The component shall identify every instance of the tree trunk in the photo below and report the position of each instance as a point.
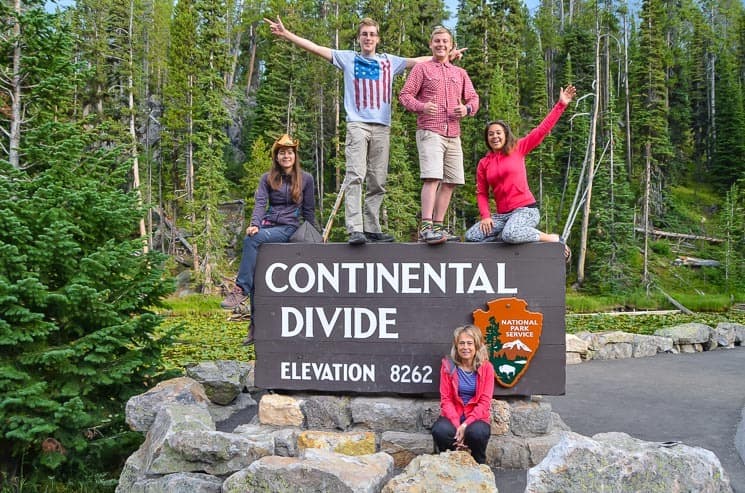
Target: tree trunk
(15, 99)
(591, 164)
(647, 179)
(628, 97)
(190, 166)
(132, 131)
(252, 60)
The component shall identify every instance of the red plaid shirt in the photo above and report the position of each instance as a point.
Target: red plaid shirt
(444, 84)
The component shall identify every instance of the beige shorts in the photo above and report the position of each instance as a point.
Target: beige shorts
(440, 158)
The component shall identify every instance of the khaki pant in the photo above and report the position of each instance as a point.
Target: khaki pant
(367, 153)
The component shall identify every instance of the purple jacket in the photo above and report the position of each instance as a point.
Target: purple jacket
(277, 207)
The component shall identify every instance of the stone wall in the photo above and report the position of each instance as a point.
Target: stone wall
(204, 428)
(683, 338)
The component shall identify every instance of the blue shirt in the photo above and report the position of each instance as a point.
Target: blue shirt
(466, 385)
(368, 84)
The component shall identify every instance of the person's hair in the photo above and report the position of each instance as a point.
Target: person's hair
(441, 30)
(369, 23)
(480, 353)
(296, 175)
(510, 141)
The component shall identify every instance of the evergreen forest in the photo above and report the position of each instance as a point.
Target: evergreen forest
(134, 133)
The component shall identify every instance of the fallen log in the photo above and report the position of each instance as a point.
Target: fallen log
(683, 236)
(696, 262)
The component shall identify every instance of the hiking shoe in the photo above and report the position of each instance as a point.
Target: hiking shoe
(431, 237)
(379, 237)
(235, 298)
(445, 232)
(357, 238)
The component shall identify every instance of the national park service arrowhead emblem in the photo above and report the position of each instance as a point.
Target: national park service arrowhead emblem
(512, 335)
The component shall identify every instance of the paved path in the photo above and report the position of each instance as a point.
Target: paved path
(693, 398)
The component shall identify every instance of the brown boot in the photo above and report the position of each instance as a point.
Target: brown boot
(250, 336)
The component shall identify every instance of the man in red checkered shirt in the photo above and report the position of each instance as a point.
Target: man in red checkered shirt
(441, 94)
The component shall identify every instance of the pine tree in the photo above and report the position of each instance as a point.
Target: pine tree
(77, 337)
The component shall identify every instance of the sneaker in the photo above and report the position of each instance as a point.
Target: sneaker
(357, 238)
(379, 237)
(235, 298)
(431, 237)
(445, 232)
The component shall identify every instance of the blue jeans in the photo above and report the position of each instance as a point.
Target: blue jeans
(273, 234)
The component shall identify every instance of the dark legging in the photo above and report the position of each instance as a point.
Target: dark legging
(476, 437)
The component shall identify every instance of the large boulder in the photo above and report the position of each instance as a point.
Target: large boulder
(403, 446)
(327, 412)
(221, 379)
(183, 439)
(689, 335)
(618, 462)
(387, 413)
(448, 472)
(183, 482)
(142, 409)
(315, 470)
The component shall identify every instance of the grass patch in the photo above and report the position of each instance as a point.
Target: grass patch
(645, 324)
(206, 332)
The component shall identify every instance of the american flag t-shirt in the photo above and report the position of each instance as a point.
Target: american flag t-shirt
(372, 82)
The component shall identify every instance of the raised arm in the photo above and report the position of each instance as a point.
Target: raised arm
(279, 30)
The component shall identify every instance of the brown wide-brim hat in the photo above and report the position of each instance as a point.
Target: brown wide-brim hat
(284, 141)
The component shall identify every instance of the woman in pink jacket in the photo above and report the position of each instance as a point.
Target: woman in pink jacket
(466, 388)
(502, 172)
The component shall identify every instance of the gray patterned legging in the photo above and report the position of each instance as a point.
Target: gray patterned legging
(517, 226)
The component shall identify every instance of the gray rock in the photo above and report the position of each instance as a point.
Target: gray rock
(724, 335)
(430, 411)
(220, 453)
(539, 447)
(180, 482)
(616, 350)
(690, 333)
(403, 447)
(133, 471)
(326, 412)
(645, 345)
(387, 413)
(285, 442)
(142, 409)
(618, 462)
(315, 471)
(575, 344)
(241, 410)
(444, 473)
(508, 452)
(530, 418)
(221, 380)
(738, 329)
(160, 456)
(285, 439)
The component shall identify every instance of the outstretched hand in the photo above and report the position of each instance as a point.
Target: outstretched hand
(566, 95)
(276, 28)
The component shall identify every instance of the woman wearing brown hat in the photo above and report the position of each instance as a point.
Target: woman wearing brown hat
(285, 193)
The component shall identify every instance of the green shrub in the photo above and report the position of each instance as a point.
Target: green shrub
(77, 338)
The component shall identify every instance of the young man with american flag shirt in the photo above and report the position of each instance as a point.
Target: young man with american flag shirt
(368, 88)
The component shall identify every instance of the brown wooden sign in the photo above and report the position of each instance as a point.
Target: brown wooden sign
(379, 318)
